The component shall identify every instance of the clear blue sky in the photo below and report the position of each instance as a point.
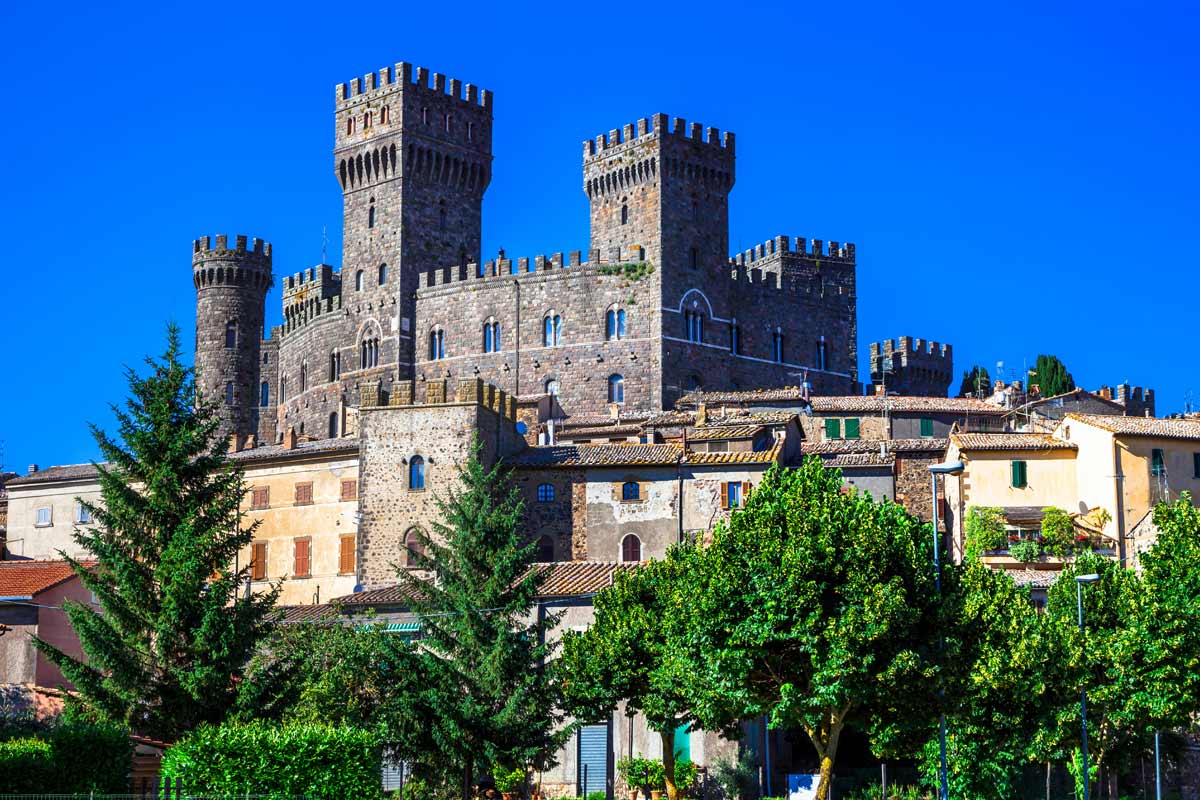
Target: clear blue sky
(1017, 180)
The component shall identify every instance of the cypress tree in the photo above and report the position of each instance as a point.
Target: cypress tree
(170, 643)
(481, 698)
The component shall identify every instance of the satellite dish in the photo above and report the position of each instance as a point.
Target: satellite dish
(522, 428)
(358, 587)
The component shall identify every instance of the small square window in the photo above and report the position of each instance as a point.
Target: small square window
(926, 427)
(260, 498)
(545, 492)
(1019, 475)
(852, 429)
(44, 517)
(82, 515)
(350, 489)
(631, 490)
(304, 494)
(833, 429)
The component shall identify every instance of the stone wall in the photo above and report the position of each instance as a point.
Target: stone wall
(562, 518)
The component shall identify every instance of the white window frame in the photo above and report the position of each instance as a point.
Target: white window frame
(49, 517)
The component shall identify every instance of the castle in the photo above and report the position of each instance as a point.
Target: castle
(657, 309)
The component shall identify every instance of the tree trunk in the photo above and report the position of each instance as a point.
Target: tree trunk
(668, 759)
(468, 774)
(1047, 780)
(825, 740)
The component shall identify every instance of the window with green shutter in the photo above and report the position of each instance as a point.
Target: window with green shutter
(926, 426)
(852, 429)
(833, 429)
(1158, 465)
(1019, 477)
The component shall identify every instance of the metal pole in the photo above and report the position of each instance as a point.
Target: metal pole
(937, 567)
(585, 766)
(883, 773)
(1157, 770)
(1083, 699)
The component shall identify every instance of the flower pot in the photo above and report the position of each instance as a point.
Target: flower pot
(633, 793)
(510, 795)
(656, 794)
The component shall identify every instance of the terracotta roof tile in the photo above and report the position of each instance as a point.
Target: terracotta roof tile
(1010, 441)
(599, 455)
(837, 446)
(290, 615)
(711, 432)
(902, 404)
(1033, 578)
(64, 472)
(731, 457)
(859, 460)
(385, 596)
(1153, 427)
(564, 578)
(28, 578)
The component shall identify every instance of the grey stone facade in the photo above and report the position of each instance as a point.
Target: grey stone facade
(912, 367)
(412, 156)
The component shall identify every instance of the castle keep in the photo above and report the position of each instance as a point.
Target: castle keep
(655, 309)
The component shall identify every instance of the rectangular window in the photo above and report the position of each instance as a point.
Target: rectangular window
(1196, 465)
(350, 490)
(833, 429)
(1158, 466)
(926, 427)
(260, 498)
(82, 515)
(346, 555)
(258, 561)
(852, 429)
(302, 566)
(304, 494)
(1019, 476)
(44, 517)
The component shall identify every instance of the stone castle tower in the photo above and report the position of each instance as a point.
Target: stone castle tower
(231, 288)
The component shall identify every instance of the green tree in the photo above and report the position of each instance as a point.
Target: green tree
(171, 642)
(1051, 377)
(975, 383)
(819, 610)
(640, 649)
(481, 693)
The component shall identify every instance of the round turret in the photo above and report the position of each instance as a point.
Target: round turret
(231, 289)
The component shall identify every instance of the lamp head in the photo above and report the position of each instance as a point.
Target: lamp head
(947, 468)
(1092, 578)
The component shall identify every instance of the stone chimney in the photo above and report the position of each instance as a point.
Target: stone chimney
(701, 414)
(289, 439)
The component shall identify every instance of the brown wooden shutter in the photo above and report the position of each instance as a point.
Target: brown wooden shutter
(304, 493)
(302, 567)
(258, 561)
(346, 555)
(745, 492)
(260, 497)
(725, 494)
(349, 489)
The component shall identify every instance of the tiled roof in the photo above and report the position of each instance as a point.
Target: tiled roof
(721, 418)
(1153, 427)
(837, 446)
(599, 420)
(710, 432)
(731, 457)
(290, 615)
(269, 452)
(599, 455)
(853, 460)
(752, 396)
(1033, 578)
(902, 404)
(600, 430)
(1010, 441)
(28, 578)
(384, 596)
(563, 578)
(671, 418)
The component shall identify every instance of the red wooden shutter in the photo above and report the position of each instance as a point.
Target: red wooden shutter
(349, 489)
(346, 555)
(258, 561)
(302, 568)
(303, 493)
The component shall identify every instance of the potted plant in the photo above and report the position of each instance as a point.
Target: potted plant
(685, 775)
(656, 779)
(635, 772)
(508, 782)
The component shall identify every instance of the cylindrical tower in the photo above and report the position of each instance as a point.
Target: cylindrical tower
(231, 291)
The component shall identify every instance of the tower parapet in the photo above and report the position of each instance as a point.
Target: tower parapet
(231, 287)
(912, 366)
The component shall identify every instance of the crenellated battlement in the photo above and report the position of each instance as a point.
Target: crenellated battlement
(912, 366)
(204, 250)
(320, 277)
(221, 265)
(909, 346)
(401, 77)
(656, 127)
(501, 267)
(799, 246)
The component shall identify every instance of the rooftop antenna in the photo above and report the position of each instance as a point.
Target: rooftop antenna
(324, 243)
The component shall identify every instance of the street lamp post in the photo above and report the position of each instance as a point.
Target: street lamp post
(1080, 580)
(954, 468)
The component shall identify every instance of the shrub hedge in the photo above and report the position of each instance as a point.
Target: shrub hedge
(319, 761)
(65, 756)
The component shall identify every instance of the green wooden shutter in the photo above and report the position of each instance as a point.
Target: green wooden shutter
(926, 426)
(852, 429)
(833, 429)
(1018, 474)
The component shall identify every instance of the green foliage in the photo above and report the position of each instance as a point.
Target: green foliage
(632, 270)
(984, 529)
(635, 771)
(509, 780)
(685, 774)
(169, 646)
(737, 779)
(476, 691)
(1051, 377)
(318, 761)
(1025, 551)
(874, 791)
(65, 755)
(1058, 532)
(821, 608)
(975, 383)
(26, 766)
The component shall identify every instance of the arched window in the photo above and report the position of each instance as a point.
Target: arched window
(624, 214)
(231, 334)
(442, 216)
(382, 274)
(695, 257)
(368, 352)
(545, 492)
(491, 336)
(282, 388)
(229, 393)
(358, 281)
(446, 122)
(693, 322)
(416, 474)
(333, 425)
(303, 376)
(614, 323)
(371, 217)
(383, 115)
(552, 387)
(545, 549)
(414, 548)
(821, 362)
(735, 339)
(349, 126)
(616, 389)
(470, 131)
(366, 120)
(631, 490)
(631, 549)
(437, 344)
(264, 394)
(777, 345)
(335, 365)
(552, 330)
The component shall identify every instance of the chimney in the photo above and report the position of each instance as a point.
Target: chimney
(235, 443)
(701, 413)
(289, 439)
(33, 468)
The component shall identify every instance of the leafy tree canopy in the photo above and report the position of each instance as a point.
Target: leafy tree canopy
(1051, 377)
(975, 383)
